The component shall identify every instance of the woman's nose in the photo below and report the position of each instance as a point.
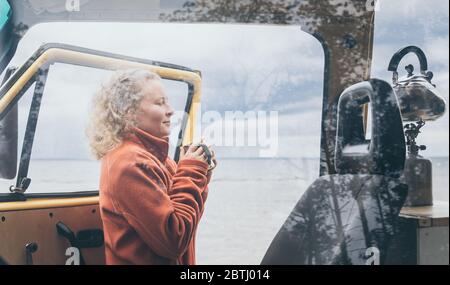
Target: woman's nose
(170, 111)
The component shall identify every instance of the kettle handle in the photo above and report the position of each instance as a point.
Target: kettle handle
(398, 56)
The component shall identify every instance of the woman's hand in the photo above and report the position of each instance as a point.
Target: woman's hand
(192, 152)
(197, 152)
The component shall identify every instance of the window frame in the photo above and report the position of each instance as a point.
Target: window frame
(37, 68)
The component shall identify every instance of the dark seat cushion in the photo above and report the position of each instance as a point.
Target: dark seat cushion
(338, 219)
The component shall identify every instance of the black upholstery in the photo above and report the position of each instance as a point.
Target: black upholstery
(349, 217)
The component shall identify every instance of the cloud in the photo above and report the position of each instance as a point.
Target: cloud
(248, 62)
(243, 66)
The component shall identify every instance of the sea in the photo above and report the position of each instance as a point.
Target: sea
(248, 201)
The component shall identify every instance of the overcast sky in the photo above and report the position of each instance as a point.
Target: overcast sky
(242, 67)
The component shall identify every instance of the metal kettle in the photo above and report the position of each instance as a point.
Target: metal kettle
(417, 95)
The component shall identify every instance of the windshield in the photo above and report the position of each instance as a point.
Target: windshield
(261, 109)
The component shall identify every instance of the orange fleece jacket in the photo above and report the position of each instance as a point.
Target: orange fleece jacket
(150, 206)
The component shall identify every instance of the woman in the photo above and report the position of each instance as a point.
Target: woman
(150, 206)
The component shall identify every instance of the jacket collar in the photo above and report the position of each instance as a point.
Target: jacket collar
(157, 146)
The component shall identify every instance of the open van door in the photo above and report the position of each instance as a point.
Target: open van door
(53, 227)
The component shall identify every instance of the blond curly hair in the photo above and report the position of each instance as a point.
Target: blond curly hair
(114, 107)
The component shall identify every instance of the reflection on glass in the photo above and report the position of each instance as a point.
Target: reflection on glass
(338, 220)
